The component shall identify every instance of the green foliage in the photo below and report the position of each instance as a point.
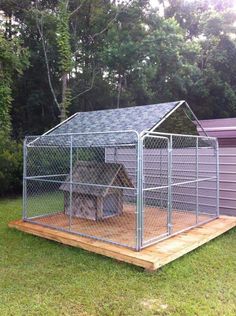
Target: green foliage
(43, 161)
(10, 165)
(105, 54)
(55, 160)
(114, 56)
(13, 59)
(5, 105)
(63, 38)
(65, 104)
(65, 61)
(210, 88)
(179, 123)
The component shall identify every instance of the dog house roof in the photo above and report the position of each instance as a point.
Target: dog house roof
(97, 173)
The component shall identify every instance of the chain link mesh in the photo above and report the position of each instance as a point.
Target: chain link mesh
(180, 184)
(71, 185)
(88, 184)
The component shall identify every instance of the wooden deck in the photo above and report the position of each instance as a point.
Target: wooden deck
(121, 229)
(150, 258)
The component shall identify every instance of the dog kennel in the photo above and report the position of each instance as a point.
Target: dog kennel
(130, 176)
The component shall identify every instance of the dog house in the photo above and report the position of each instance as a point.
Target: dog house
(97, 202)
(130, 176)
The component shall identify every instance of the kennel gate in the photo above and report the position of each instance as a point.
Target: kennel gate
(163, 190)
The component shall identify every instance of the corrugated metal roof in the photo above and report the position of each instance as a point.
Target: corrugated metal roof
(137, 118)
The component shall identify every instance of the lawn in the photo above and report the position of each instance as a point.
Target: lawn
(41, 277)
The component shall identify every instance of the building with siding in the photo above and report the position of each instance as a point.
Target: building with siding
(225, 131)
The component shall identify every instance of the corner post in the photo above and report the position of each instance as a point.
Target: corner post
(197, 177)
(217, 180)
(71, 181)
(160, 165)
(139, 212)
(170, 225)
(24, 208)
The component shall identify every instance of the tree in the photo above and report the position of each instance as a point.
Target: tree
(13, 59)
(65, 54)
(210, 24)
(96, 54)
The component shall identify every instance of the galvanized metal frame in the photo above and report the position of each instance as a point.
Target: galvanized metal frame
(217, 179)
(181, 103)
(170, 225)
(24, 206)
(140, 242)
(160, 237)
(139, 206)
(197, 177)
(71, 180)
(170, 184)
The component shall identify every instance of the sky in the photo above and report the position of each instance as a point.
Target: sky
(154, 3)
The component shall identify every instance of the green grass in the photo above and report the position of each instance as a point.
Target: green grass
(40, 277)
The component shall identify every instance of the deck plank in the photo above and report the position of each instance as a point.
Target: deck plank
(150, 258)
(122, 229)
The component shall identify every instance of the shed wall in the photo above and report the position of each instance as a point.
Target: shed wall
(207, 190)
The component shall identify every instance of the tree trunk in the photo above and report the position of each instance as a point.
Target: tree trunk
(119, 91)
(63, 98)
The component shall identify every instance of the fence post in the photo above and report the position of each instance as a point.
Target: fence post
(217, 180)
(24, 211)
(139, 215)
(170, 225)
(197, 176)
(161, 204)
(71, 180)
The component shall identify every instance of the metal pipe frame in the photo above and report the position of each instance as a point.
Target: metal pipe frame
(161, 202)
(24, 206)
(197, 176)
(217, 180)
(179, 183)
(167, 115)
(170, 185)
(140, 189)
(147, 244)
(143, 189)
(139, 207)
(142, 195)
(80, 134)
(80, 146)
(85, 133)
(178, 135)
(181, 103)
(46, 176)
(71, 181)
(196, 119)
(81, 183)
(169, 215)
(58, 125)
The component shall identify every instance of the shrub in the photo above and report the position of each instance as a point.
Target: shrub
(10, 166)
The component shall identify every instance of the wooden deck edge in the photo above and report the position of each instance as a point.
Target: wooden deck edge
(202, 234)
(151, 258)
(102, 248)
